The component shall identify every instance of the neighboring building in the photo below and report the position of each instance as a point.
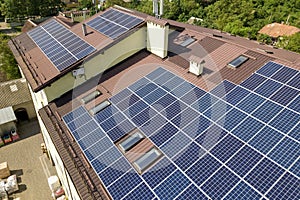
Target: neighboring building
(135, 107)
(276, 30)
(16, 94)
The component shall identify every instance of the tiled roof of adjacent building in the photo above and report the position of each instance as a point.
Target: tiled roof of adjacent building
(14, 93)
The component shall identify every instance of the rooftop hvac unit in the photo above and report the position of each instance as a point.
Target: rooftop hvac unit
(196, 65)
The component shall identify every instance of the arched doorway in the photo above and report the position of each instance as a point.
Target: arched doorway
(21, 114)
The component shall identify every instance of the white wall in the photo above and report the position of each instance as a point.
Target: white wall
(157, 39)
(62, 173)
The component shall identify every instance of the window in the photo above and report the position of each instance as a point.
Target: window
(91, 96)
(100, 107)
(147, 159)
(238, 61)
(131, 141)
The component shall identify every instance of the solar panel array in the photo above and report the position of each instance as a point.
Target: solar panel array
(114, 23)
(234, 142)
(62, 47)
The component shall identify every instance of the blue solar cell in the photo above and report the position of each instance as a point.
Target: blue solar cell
(268, 88)
(98, 148)
(193, 95)
(120, 130)
(264, 175)
(188, 156)
(295, 104)
(284, 74)
(269, 69)
(285, 120)
(197, 126)
(142, 92)
(243, 191)
(288, 187)
(266, 139)
(124, 185)
(244, 160)
(231, 119)
(296, 168)
(166, 132)
(253, 81)
(175, 183)
(286, 152)
(204, 102)
(106, 113)
(192, 192)
(203, 169)
(159, 172)
(172, 110)
(139, 84)
(217, 110)
(120, 96)
(166, 100)
(220, 183)
(172, 83)
(284, 95)
(78, 122)
(153, 124)
(250, 103)
(85, 129)
(163, 78)
(236, 95)
(114, 171)
(211, 137)
(130, 100)
(105, 159)
(144, 116)
(141, 192)
(294, 133)
(226, 148)
(247, 129)
(295, 81)
(91, 139)
(112, 121)
(182, 89)
(154, 96)
(49, 39)
(267, 111)
(156, 73)
(185, 117)
(223, 88)
(74, 114)
(136, 108)
(175, 144)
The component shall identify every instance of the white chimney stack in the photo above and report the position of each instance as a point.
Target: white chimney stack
(161, 8)
(196, 65)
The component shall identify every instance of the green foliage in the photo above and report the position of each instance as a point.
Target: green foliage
(8, 63)
(16, 9)
(291, 43)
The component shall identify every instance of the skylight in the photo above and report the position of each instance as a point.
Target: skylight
(238, 61)
(131, 141)
(147, 159)
(91, 96)
(100, 107)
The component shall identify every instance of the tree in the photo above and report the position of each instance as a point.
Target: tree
(8, 64)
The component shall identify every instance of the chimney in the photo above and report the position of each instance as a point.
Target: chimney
(84, 30)
(196, 65)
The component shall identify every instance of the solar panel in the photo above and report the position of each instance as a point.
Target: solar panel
(114, 23)
(230, 143)
(62, 47)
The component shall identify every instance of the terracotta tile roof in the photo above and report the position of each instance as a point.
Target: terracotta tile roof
(275, 30)
(28, 26)
(14, 93)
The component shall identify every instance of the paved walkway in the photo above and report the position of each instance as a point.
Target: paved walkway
(25, 159)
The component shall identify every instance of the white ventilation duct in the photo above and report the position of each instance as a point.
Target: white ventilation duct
(196, 65)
